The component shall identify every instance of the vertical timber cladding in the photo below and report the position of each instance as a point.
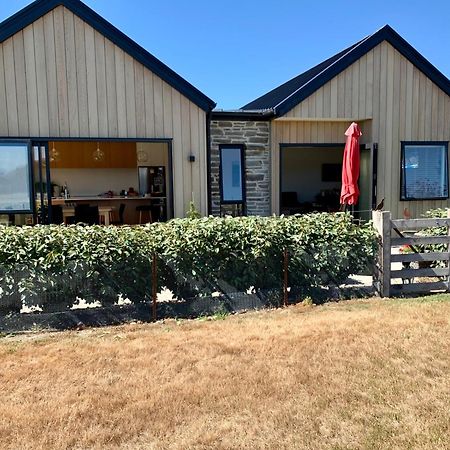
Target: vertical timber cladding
(401, 103)
(254, 135)
(59, 77)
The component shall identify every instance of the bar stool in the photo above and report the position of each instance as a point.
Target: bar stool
(120, 220)
(143, 209)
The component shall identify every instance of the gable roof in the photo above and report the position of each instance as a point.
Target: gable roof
(285, 97)
(39, 8)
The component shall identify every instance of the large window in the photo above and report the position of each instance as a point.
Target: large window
(15, 178)
(232, 174)
(424, 173)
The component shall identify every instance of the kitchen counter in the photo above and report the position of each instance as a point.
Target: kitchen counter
(111, 204)
(62, 201)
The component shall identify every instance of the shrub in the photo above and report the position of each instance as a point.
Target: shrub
(434, 231)
(197, 256)
(438, 212)
(248, 251)
(47, 262)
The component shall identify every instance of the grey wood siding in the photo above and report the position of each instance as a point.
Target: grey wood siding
(394, 102)
(61, 78)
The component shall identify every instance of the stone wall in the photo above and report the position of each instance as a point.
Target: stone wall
(255, 136)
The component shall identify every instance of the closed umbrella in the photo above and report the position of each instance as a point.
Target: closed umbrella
(350, 166)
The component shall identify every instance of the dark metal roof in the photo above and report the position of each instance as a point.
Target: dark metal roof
(285, 97)
(239, 114)
(38, 8)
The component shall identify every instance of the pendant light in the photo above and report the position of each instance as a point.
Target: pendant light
(98, 154)
(54, 154)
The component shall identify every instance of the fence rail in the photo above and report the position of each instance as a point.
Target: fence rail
(417, 224)
(392, 237)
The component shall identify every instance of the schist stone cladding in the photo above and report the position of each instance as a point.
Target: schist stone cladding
(255, 136)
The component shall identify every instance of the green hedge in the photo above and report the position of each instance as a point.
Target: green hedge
(47, 264)
(438, 212)
(196, 256)
(434, 231)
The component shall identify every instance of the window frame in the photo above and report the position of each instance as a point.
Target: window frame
(404, 144)
(242, 201)
(26, 143)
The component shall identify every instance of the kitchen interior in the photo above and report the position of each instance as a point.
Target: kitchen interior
(109, 182)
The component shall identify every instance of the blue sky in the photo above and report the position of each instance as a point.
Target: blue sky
(235, 51)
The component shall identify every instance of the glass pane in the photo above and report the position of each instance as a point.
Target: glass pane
(14, 178)
(365, 185)
(45, 211)
(231, 166)
(425, 172)
(41, 186)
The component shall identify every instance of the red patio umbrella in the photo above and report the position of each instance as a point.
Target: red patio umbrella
(350, 166)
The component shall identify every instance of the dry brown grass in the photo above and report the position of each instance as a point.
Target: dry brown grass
(354, 375)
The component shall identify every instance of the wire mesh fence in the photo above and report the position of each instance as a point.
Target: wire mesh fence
(75, 285)
(169, 287)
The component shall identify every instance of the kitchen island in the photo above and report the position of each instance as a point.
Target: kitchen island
(109, 207)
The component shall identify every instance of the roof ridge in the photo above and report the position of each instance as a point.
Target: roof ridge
(304, 73)
(289, 94)
(351, 49)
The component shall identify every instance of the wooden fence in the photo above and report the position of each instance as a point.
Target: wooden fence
(395, 235)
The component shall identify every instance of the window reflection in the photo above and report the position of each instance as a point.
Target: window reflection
(425, 171)
(231, 167)
(14, 178)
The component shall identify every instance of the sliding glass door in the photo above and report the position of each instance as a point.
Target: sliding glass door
(25, 187)
(16, 189)
(42, 183)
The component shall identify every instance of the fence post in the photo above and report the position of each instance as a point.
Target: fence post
(386, 254)
(448, 250)
(376, 278)
(382, 275)
(285, 276)
(154, 286)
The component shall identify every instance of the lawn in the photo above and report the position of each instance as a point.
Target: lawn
(370, 374)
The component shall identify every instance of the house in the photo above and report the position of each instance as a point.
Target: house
(95, 128)
(288, 143)
(87, 112)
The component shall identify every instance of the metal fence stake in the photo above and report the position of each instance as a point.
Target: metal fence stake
(285, 281)
(154, 286)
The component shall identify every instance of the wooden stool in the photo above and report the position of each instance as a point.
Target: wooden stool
(142, 209)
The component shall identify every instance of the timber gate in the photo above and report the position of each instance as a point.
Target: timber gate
(419, 261)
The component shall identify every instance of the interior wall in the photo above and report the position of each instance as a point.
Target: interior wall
(95, 181)
(152, 154)
(87, 182)
(302, 170)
